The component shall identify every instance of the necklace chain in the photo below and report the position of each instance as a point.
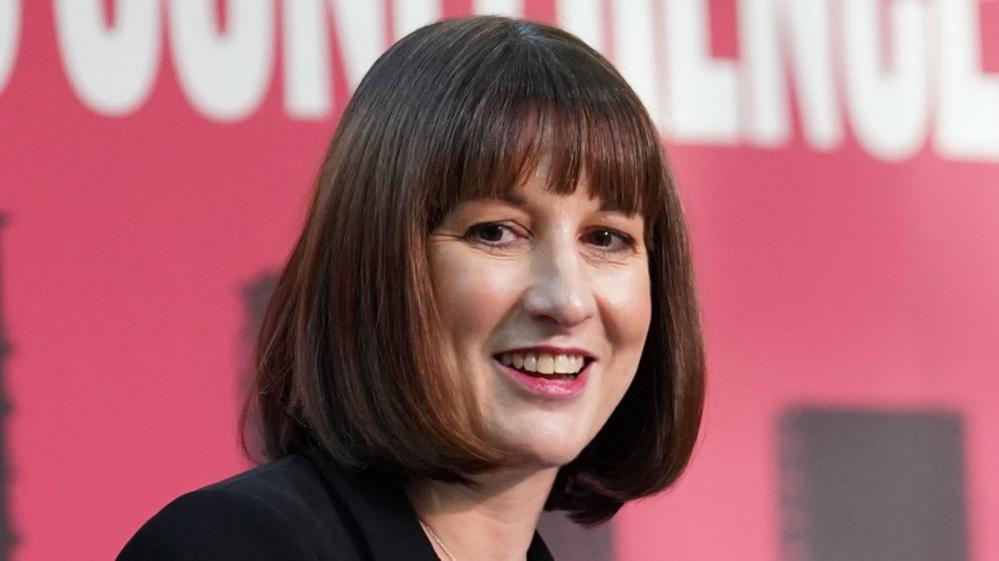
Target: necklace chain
(437, 540)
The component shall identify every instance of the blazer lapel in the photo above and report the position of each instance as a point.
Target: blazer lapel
(380, 508)
(385, 518)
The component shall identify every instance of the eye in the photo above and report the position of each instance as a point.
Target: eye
(609, 240)
(493, 233)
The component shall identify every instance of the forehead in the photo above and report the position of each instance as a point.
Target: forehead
(570, 124)
(541, 157)
(535, 192)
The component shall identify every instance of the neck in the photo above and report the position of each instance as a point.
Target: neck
(492, 521)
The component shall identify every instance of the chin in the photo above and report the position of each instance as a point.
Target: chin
(546, 446)
(553, 459)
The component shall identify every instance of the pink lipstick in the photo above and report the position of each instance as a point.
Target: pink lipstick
(546, 386)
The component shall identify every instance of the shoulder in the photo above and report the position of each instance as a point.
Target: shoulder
(273, 512)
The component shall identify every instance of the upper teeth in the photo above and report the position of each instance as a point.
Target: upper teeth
(544, 363)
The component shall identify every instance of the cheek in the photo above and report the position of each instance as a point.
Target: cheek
(626, 312)
(474, 295)
(626, 306)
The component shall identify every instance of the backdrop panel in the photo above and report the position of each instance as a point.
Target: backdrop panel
(838, 160)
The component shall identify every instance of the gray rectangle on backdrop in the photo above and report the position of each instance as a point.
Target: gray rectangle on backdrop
(872, 485)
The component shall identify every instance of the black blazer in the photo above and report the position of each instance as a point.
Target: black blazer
(301, 507)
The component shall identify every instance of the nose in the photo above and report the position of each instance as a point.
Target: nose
(560, 291)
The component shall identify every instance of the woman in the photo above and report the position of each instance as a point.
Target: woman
(490, 312)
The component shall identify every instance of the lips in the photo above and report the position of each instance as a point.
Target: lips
(547, 372)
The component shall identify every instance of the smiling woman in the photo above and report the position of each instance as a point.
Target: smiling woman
(489, 312)
(546, 303)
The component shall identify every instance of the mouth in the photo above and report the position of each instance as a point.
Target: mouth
(545, 363)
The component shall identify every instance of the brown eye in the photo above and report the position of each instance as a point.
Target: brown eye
(603, 238)
(492, 233)
(609, 240)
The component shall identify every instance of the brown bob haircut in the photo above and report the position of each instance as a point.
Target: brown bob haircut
(350, 356)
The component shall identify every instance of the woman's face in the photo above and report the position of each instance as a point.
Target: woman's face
(546, 299)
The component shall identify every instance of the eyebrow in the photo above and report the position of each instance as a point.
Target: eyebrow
(519, 201)
(514, 199)
(611, 206)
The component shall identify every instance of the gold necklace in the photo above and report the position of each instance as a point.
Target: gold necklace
(434, 537)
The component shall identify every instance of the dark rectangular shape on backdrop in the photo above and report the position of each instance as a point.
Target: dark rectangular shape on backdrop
(872, 485)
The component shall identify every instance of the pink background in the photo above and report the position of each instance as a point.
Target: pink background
(828, 277)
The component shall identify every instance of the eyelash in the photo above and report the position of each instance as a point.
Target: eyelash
(627, 241)
(476, 230)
